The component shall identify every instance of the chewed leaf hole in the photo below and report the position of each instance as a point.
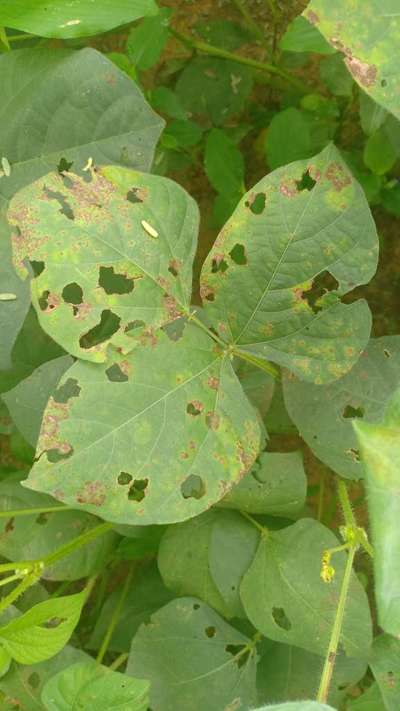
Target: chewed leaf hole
(42, 519)
(137, 491)
(37, 267)
(72, 293)
(134, 326)
(383, 83)
(193, 487)
(175, 329)
(64, 165)
(350, 412)
(387, 353)
(354, 454)
(133, 195)
(257, 204)
(124, 478)
(53, 623)
(194, 408)
(66, 209)
(47, 301)
(280, 618)
(174, 267)
(67, 390)
(34, 680)
(321, 285)
(239, 652)
(306, 182)
(58, 455)
(109, 324)
(115, 374)
(210, 631)
(238, 254)
(113, 283)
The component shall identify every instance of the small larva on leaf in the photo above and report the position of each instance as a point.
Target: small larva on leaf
(8, 297)
(6, 167)
(149, 229)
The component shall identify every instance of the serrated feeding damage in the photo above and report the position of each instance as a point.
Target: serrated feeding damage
(298, 241)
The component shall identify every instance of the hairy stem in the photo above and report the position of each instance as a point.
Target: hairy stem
(115, 617)
(250, 22)
(209, 49)
(330, 659)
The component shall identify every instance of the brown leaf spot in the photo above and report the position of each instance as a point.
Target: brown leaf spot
(363, 72)
(288, 189)
(213, 382)
(338, 176)
(212, 420)
(312, 17)
(174, 267)
(9, 525)
(207, 292)
(172, 307)
(194, 408)
(93, 493)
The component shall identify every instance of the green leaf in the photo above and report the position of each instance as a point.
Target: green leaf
(34, 537)
(146, 595)
(85, 684)
(334, 74)
(276, 485)
(23, 684)
(370, 700)
(367, 34)
(43, 631)
(5, 661)
(147, 41)
(379, 155)
(300, 36)
(270, 297)
(287, 673)
(108, 287)
(165, 100)
(13, 312)
(214, 88)
(385, 665)
(288, 138)
(372, 115)
(296, 606)
(154, 437)
(258, 385)
(324, 415)
(194, 660)
(224, 164)
(297, 706)
(184, 133)
(27, 401)
(224, 34)
(72, 18)
(380, 450)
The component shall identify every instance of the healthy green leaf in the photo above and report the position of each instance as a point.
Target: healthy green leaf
(214, 88)
(5, 661)
(258, 386)
(34, 537)
(372, 115)
(379, 155)
(288, 138)
(194, 660)
(334, 74)
(367, 34)
(276, 485)
(183, 133)
(154, 437)
(87, 684)
(297, 706)
(269, 297)
(385, 665)
(145, 596)
(165, 100)
(43, 631)
(72, 18)
(22, 685)
(370, 700)
(27, 401)
(146, 41)
(224, 33)
(324, 415)
(127, 242)
(295, 605)
(224, 164)
(12, 312)
(287, 673)
(300, 36)
(380, 450)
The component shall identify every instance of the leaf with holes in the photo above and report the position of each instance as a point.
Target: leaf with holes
(385, 664)
(43, 631)
(302, 232)
(33, 537)
(85, 683)
(155, 437)
(72, 18)
(367, 34)
(276, 485)
(380, 451)
(116, 251)
(296, 606)
(324, 415)
(194, 660)
(27, 401)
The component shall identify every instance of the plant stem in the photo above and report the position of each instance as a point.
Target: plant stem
(26, 583)
(262, 364)
(205, 48)
(212, 335)
(115, 617)
(35, 511)
(263, 530)
(10, 579)
(330, 659)
(20, 38)
(345, 503)
(119, 661)
(321, 496)
(251, 23)
(78, 542)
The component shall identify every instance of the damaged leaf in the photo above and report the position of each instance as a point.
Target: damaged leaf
(180, 426)
(367, 34)
(105, 278)
(324, 415)
(380, 451)
(307, 242)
